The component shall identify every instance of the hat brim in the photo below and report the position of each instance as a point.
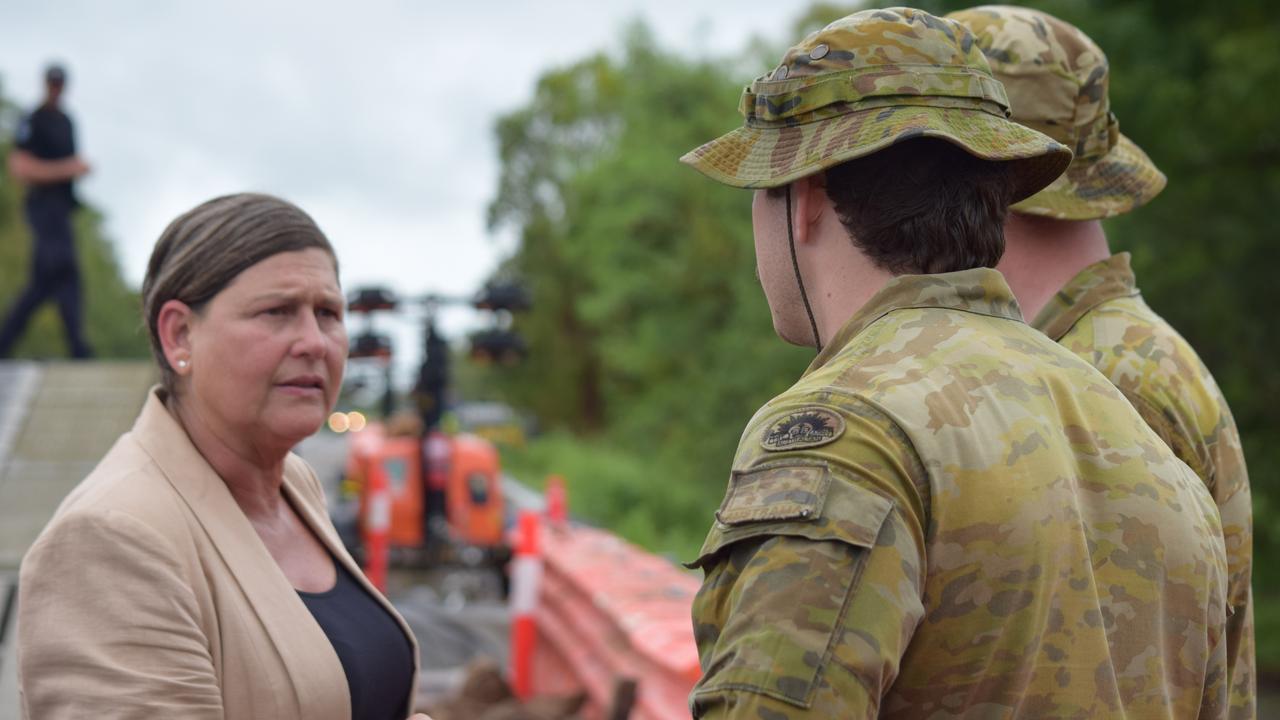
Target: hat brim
(1096, 188)
(764, 157)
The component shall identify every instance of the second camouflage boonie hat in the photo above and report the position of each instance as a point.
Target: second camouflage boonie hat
(1057, 80)
(865, 82)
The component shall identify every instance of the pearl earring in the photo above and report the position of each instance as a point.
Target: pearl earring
(182, 364)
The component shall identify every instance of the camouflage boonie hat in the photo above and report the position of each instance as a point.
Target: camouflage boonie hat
(1057, 80)
(865, 82)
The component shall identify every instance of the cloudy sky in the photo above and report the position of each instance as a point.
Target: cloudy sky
(377, 120)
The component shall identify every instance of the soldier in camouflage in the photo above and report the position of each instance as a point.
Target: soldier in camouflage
(1063, 273)
(948, 515)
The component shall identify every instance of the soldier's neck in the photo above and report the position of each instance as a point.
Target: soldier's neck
(842, 286)
(1042, 254)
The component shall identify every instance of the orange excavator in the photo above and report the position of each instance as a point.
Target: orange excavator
(429, 498)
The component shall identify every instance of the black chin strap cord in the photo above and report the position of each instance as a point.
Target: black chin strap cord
(791, 240)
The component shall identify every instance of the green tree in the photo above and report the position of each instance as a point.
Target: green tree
(642, 270)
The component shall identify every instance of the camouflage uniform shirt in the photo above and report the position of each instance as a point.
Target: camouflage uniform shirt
(949, 515)
(1101, 317)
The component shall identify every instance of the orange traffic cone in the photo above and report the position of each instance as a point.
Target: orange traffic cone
(557, 502)
(526, 577)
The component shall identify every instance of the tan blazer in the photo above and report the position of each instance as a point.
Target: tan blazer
(149, 595)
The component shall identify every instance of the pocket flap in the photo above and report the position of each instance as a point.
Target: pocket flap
(794, 499)
(792, 492)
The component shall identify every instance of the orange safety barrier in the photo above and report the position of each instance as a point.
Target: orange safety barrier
(608, 611)
(401, 461)
(474, 492)
(396, 463)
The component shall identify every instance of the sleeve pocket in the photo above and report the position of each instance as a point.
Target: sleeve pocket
(784, 557)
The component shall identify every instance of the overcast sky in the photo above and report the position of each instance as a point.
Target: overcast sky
(378, 120)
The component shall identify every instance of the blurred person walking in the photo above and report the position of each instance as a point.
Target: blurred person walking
(1060, 267)
(44, 157)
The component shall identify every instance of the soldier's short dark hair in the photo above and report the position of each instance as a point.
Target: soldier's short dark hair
(923, 206)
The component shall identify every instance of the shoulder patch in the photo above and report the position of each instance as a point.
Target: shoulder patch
(804, 428)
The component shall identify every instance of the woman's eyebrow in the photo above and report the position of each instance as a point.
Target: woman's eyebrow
(295, 295)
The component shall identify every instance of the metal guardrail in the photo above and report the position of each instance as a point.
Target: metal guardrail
(9, 709)
(60, 418)
(18, 384)
(520, 496)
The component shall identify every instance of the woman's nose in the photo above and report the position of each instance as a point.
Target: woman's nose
(311, 338)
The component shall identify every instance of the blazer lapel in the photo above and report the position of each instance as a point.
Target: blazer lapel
(316, 673)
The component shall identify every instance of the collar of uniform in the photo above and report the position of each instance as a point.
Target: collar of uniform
(1102, 281)
(980, 290)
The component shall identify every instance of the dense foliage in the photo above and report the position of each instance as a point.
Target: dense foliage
(649, 326)
(650, 337)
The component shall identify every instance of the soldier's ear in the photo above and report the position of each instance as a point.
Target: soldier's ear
(809, 195)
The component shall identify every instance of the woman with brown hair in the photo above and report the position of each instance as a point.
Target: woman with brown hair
(195, 573)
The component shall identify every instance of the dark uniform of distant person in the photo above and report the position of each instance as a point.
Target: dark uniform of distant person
(44, 157)
(949, 514)
(1059, 264)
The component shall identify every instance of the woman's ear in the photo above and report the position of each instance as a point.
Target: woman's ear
(174, 326)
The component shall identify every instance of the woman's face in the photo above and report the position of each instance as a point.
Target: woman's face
(268, 351)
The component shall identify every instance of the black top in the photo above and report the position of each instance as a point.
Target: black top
(48, 134)
(375, 654)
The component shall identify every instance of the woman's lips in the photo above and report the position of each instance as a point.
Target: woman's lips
(303, 385)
